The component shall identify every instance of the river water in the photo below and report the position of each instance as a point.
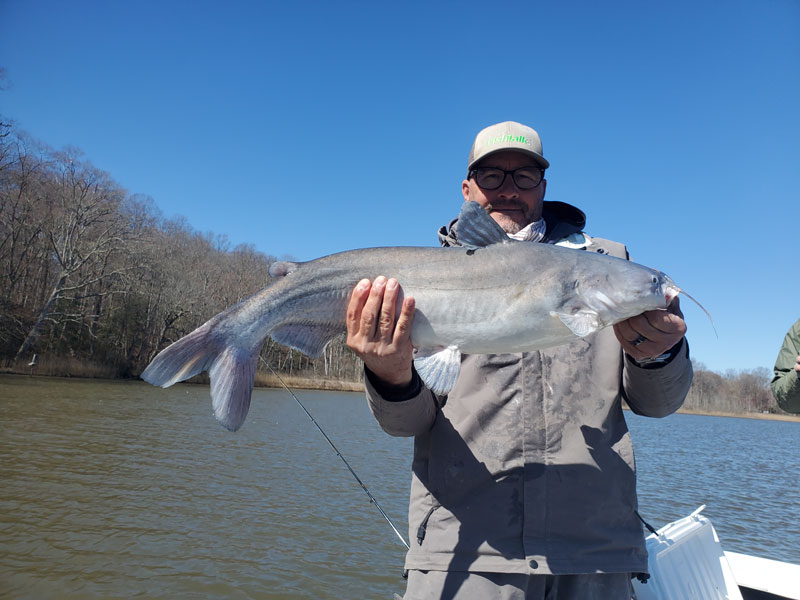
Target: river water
(119, 489)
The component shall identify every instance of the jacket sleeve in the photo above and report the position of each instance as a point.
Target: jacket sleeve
(657, 391)
(786, 381)
(407, 413)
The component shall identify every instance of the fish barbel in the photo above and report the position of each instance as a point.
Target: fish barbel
(492, 295)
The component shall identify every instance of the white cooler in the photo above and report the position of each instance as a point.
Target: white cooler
(686, 562)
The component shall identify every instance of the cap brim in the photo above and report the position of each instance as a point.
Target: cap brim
(541, 160)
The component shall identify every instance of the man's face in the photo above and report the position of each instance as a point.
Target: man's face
(510, 206)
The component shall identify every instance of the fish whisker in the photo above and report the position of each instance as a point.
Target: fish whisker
(688, 295)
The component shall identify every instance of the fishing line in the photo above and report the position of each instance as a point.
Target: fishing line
(339, 454)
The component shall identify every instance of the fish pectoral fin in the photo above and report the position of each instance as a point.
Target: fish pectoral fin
(581, 323)
(309, 338)
(438, 367)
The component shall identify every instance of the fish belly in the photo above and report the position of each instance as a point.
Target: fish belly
(488, 321)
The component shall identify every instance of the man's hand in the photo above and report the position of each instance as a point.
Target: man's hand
(652, 333)
(373, 334)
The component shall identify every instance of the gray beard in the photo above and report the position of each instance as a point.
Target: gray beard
(511, 226)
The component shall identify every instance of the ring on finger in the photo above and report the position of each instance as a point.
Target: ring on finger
(639, 339)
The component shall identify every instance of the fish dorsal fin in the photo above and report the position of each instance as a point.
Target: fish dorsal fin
(477, 229)
(438, 368)
(282, 268)
(581, 323)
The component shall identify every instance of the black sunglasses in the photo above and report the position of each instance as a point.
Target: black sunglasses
(491, 178)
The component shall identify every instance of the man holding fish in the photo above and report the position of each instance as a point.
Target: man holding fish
(523, 482)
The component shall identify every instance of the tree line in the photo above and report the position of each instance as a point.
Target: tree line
(734, 391)
(95, 279)
(93, 273)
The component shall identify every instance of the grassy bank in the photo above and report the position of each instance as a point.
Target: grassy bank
(73, 368)
(308, 383)
(65, 366)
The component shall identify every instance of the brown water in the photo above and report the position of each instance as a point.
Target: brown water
(119, 489)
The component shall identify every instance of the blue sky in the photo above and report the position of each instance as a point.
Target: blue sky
(309, 128)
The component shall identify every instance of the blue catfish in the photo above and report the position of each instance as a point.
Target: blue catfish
(492, 295)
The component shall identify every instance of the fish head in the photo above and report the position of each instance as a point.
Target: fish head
(620, 293)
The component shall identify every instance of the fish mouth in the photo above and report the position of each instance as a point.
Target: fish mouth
(672, 291)
(668, 288)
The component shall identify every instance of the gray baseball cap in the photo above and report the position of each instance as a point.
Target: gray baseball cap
(508, 135)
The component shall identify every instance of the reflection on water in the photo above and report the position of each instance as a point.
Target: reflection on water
(119, 488)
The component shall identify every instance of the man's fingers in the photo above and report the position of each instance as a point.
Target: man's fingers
(650, 333)
(357, 299)
(665, 321)
(372, 307)
(402, 331)
(387, 316)
(624, 331)
(636, 331)
(642, 326)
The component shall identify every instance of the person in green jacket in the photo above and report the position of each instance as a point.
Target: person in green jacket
(786, 380)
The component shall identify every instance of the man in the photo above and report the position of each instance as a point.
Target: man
(523, 481)
(786, 380)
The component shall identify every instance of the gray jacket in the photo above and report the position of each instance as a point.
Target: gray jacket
(527, 465)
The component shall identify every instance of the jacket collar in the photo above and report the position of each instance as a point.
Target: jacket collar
(562, 220)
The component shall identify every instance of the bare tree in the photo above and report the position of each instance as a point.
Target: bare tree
(82, 229)
(20, 175)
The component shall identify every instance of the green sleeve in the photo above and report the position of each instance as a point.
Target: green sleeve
(785, 381)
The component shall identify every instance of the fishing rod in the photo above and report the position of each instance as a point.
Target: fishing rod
(339, 454)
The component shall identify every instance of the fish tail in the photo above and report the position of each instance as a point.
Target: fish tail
(232, 375)
(228, 345)
(181, 360)
(231, 369)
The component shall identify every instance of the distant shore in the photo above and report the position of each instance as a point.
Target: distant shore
(745, 415)
(308, 383)
(262, 379)
(268, 380)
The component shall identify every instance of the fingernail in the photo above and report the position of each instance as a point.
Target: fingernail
(391, 284)
(380, 280)
(362, 285)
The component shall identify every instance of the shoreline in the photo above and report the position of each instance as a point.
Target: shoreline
(262, 380)
(265, 380)
(745, 415)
